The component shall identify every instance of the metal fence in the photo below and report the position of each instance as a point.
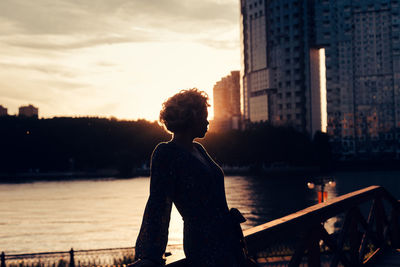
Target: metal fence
(77, 258)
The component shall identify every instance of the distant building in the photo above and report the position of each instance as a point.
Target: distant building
(275, 67)
(3, 111)
(28, 111)
(330, 66)
(362, 43)
(227, 103)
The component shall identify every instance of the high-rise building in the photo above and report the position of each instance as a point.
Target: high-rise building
(362, 40)
(226, 94)
(325, 65)
(28, 111)
(3, 111)
(277, 73)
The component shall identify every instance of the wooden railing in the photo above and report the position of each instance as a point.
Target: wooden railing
(359, 240)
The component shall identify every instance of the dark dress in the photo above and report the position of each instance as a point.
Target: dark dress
(198, 192)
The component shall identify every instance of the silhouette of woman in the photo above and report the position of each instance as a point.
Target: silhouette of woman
(183, 173)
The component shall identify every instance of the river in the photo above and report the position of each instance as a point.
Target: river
(106, 213)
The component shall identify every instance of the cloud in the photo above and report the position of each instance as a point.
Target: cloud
(47, 69)
(105, 64)
(89, 23)
(74, 42)
(76, 16)
(117, 57)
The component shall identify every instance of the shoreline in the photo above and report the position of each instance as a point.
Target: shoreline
(275, 170)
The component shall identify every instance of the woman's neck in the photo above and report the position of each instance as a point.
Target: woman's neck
(183, 140)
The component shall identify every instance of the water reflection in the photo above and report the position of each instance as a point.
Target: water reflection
(55, 216)
(262, 200)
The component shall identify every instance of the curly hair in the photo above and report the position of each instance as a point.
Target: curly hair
(182, 110)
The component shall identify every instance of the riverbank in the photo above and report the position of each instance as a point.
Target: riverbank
(270, 170)
(51, 176)
(273, 170)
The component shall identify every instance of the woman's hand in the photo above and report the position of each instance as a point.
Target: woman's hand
(143, 263)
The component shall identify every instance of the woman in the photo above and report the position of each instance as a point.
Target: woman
(183, 173)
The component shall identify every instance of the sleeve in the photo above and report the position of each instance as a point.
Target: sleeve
(153, 235)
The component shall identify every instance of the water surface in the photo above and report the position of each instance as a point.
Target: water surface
(107, 213)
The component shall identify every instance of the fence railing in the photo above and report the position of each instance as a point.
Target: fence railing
(77, 258)
(307, 242)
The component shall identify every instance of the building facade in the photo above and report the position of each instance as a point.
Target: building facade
(226, 94)
(275, 62)
(325, 65)
(3, 111)
(362, 40)
(28, 111)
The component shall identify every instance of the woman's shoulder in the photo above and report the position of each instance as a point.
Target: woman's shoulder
(163, 148)
(198, 145)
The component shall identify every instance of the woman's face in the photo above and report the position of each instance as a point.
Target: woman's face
(200, 126)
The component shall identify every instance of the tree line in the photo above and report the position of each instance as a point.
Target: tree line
(88, 144)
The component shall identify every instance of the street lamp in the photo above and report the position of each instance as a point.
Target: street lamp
(321, 182)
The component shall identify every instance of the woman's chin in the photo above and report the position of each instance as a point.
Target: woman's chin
(201, 135)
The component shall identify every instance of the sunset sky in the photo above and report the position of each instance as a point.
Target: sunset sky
(119, 58)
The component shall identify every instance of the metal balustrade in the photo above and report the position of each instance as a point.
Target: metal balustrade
(307, 242)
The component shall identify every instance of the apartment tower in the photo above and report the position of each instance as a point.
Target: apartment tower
(323, 65)
(28, 111)
(3, 111)
(226, 94)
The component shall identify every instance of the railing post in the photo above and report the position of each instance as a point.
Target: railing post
(71, 258)
(314, 255)
(380, 221)
(395, 229)
(3, 259)
(354, 238)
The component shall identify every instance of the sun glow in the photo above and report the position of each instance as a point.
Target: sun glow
(76, 60)
(127, 81)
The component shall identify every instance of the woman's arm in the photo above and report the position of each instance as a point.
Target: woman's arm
(153, 235)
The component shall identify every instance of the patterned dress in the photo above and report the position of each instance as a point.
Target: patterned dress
(198, 192)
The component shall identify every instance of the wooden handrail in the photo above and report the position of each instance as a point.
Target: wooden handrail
(309, 223)
(258, 236)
